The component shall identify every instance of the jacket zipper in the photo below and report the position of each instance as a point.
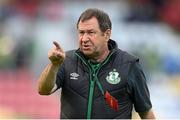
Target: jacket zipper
(93, 73)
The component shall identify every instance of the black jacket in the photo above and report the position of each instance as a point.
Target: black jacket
(120, 74)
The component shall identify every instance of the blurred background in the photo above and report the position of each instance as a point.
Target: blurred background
(150, 29)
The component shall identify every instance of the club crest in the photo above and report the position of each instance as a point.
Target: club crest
(113, 77)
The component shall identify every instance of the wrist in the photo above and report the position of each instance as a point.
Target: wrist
(54, 67)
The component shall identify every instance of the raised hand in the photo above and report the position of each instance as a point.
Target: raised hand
(56, 54)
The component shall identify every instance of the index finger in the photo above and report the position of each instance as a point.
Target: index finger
(56, 44)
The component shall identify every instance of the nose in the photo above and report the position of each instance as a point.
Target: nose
(85, 37)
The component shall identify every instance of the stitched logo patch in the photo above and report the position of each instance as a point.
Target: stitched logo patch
(113, 77)
(74, 76)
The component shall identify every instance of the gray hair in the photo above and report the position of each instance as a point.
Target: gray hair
(102, 18)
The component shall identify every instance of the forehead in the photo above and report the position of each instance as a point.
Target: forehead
(88, 24)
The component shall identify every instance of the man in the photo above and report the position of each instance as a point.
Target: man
(98, 80)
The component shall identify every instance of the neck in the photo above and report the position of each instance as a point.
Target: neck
(100, 58)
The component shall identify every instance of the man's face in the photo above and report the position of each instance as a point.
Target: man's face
(92, 41)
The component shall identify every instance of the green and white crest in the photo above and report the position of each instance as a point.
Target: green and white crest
(113, 77)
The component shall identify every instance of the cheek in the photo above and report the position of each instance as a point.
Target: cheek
(79, 43)
(80, 40)
(80, 37)
(101, 44)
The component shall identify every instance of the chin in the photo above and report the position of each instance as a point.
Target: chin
(87, 53)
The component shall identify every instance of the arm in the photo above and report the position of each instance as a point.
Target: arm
(147, 115)
(47, 78)
(140, 92)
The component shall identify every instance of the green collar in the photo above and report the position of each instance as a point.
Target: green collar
(94, 66)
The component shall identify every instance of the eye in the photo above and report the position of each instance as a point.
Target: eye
(91, 32)
(81, 32)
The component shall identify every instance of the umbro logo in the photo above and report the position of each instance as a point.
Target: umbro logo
(74, 76)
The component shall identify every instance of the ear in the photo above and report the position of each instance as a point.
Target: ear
(107, 34)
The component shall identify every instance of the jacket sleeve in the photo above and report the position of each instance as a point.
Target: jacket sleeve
(138, 89)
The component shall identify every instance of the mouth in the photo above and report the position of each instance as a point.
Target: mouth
(86, 47)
